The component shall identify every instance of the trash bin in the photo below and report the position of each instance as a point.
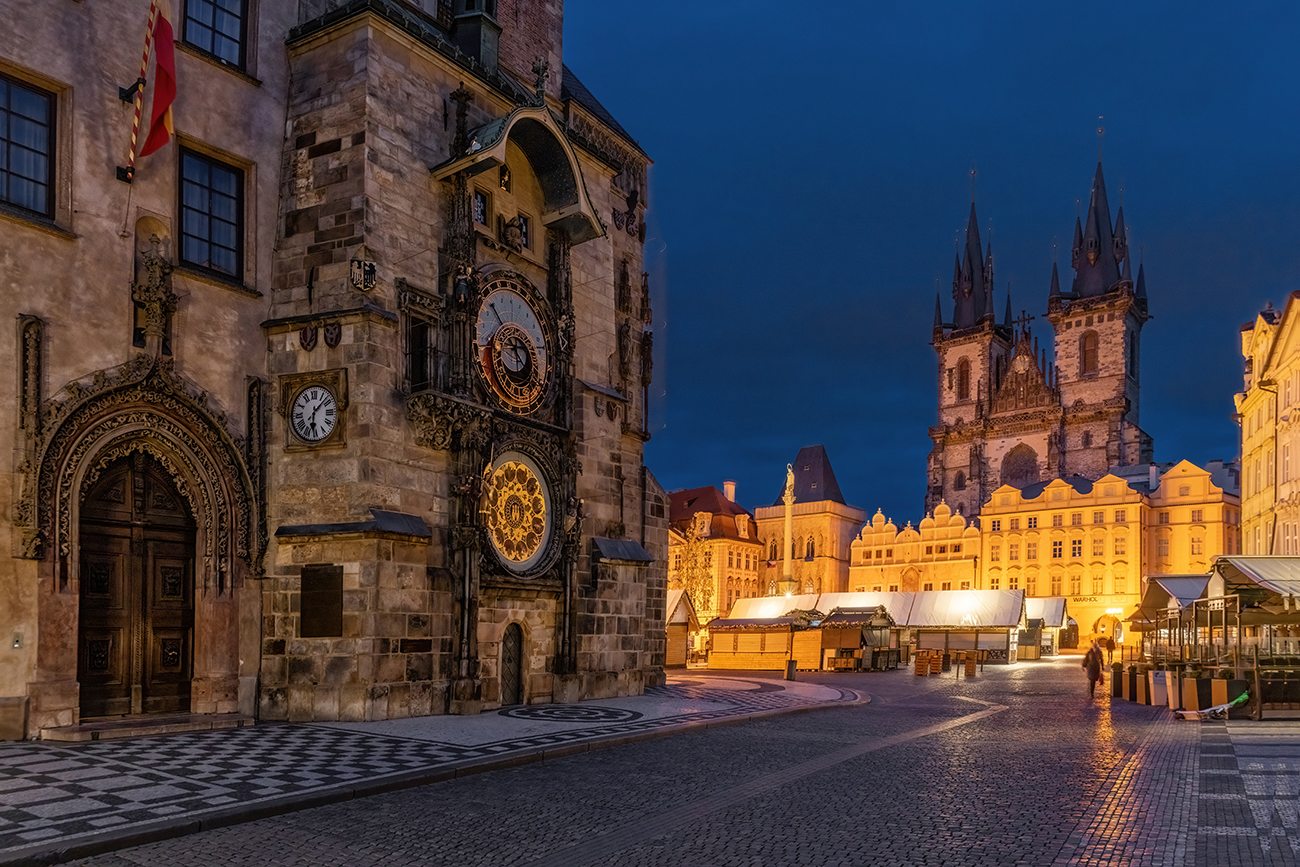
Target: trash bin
(970, 664)
(789, 669)
(1117, 680)
(947, 662)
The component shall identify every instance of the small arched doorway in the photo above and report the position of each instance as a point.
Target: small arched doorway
(512, 666)
(136, 628)
(1109, 626)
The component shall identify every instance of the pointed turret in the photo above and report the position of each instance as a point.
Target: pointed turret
(1142, 281)
(1006, 317)
(1077, 250)
(1054, 293)
(1121, 237)
(1097, 269)
(938, 315)
(971, 285)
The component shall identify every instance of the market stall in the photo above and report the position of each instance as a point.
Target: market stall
(1045, 617)
(857, 639)
(680, 626)
(958, 620)
(758, 643)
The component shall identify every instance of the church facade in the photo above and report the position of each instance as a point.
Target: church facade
(1010, 412)
(337, 408)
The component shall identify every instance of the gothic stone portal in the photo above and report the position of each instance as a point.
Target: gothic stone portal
(135, 639)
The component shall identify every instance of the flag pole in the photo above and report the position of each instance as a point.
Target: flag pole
(127, 173)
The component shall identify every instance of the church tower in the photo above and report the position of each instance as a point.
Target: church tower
(1098, 326)
(973, 352)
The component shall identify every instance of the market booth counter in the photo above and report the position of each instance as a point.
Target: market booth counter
(961, 620)
(857, 639)
(762, 644)
(1045, 617)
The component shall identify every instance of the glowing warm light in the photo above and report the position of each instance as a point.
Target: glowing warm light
(789, 593)
(1114, 610)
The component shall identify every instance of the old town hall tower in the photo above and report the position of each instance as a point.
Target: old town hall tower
(1009, 413)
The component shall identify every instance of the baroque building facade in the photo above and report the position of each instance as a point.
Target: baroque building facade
(1095, 542)
(942, 552)
(357, 429)
(1009, 413)
(823, 527)
(714, 552)
(1267, 413)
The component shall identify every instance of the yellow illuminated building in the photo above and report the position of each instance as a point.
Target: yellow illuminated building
(940, 553)
(1268, 411)
(714, 550)
(1094, 542)
(823, 528)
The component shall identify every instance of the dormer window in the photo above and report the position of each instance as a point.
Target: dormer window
(742, 527)
(703, 520)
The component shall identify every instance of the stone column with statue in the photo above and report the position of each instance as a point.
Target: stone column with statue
(787, 573)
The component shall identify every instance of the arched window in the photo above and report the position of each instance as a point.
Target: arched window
(1087, 439)
(1020, 467)
(1088, 361)
(810, 551)
(960, 482)
(773, 553)
(963, 379)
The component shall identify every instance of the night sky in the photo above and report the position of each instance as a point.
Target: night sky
(812, 170)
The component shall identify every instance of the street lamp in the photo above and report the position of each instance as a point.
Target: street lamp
(1270, 385)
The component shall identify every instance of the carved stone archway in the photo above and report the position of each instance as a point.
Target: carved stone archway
(142, 406)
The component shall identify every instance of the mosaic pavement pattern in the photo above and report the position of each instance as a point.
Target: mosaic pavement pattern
(1250, 787)
(52, 792)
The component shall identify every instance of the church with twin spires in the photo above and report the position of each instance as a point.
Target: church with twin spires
(1011, 412)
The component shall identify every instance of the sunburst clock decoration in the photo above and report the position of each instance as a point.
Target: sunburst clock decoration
(517, 511)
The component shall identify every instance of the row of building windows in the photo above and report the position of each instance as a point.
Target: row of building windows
(1055, 586)
(211, 192)
(1119, 547)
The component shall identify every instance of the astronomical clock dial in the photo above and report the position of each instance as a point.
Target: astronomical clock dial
(518, 512)
(511, 345)
(314, 414)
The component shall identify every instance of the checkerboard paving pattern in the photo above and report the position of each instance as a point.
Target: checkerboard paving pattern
(50, 791)
(1250, 787)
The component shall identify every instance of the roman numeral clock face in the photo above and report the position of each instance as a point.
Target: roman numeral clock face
(511, 346)
(315, 414)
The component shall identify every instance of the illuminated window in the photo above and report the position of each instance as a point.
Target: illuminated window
(1055, 586)
(947, 585)
(1098, 585)
(1076, 585)
(1031, 550)
(1198, 546)
(1121, 517)
(995, 553)
(928, 586)
(1121, 545)
(965, 585)
(1164, 517)
(1120, 586)
(1015, 523)
(1198, 516)
(1076, 519)
(1076, 547)
(1162, 548)
(1013, 551)
(1099, 517)
(1058, 520)
(1031, 585)
(1098, 546)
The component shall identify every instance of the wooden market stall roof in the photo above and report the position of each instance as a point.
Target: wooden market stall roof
(763, 607)
(876, 617)
(1049, 609)
(680, 609)
(968, 609)
(792, 622)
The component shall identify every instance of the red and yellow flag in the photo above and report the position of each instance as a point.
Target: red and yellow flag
(164, 82)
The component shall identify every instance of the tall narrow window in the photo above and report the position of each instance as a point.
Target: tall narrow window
(1088, 361)
(218, 28)
(212, 214)
(26, 147)
(963, 379)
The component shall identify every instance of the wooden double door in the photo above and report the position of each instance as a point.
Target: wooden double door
(136, 630)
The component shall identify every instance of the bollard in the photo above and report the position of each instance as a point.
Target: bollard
(970, 665)
(789, 669)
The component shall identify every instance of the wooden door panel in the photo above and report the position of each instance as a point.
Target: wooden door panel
(104, 652)
(169, 613)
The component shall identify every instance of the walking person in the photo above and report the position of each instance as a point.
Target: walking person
(1092, 666)
(1110, 650)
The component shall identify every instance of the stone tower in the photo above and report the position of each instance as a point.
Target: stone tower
(973, 352)
(1098, 327)
(1009, 414)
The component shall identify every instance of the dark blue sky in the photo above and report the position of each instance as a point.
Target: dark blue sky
(811, 171)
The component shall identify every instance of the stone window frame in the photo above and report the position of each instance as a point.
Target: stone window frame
(419, 308)
(246, 277)
(247, 37)
(1089, 354)
(963, 379)
(60, 218)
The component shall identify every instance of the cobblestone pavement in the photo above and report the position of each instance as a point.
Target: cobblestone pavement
(1015, 767)
(53, 796)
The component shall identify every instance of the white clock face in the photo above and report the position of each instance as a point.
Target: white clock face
(315, 413)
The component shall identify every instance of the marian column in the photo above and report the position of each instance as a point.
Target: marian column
(787, 575)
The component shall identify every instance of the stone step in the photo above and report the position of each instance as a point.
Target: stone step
(141, 725)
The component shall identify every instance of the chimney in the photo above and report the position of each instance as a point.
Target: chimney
(729, 490)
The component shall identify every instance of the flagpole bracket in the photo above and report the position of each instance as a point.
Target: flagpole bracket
(125, 174)
(127, 94)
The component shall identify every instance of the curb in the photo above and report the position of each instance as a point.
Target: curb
(38, 855)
